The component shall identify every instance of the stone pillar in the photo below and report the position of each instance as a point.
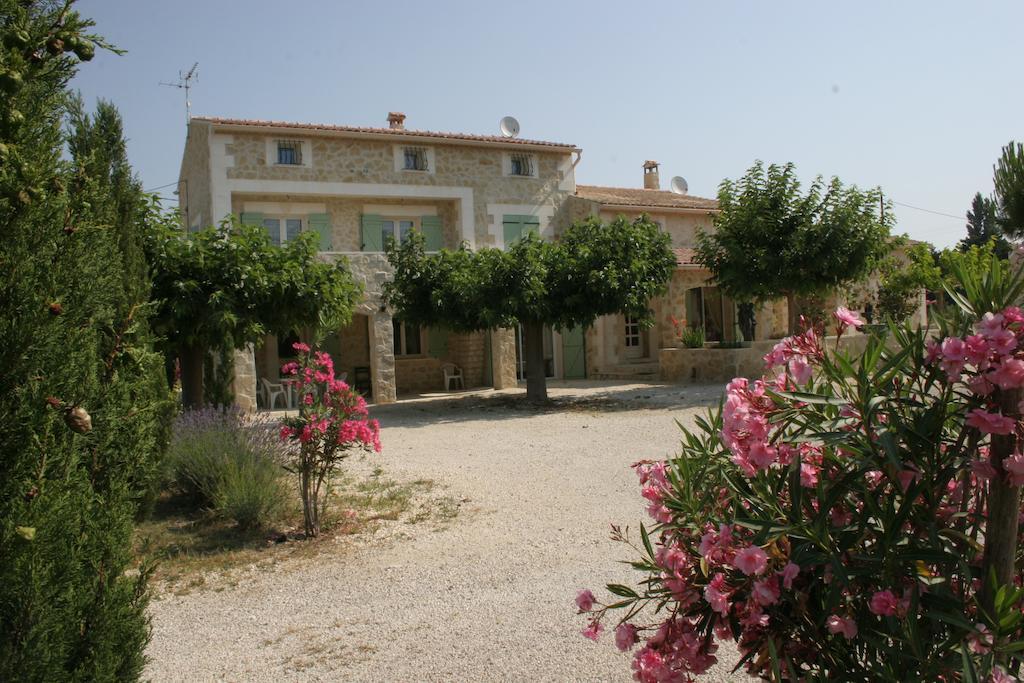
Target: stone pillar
(503, 358)
(382, 357)
(243, 384)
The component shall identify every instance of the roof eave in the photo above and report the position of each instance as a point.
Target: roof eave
(652, 208)
(408, 137)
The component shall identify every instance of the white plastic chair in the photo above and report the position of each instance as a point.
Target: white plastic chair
(271, 390)
(452, 372)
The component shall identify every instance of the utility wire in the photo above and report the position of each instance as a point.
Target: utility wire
(937, 213)
(154, 189)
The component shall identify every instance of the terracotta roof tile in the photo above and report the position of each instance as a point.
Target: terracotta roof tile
(625, 196)
(383, 131)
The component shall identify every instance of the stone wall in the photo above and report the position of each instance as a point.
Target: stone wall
(344, 160)
(468, 351)
(716, 365)
(503, 358)
(418, 375)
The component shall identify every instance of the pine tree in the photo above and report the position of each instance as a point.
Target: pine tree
(982, 227)
(83, 403)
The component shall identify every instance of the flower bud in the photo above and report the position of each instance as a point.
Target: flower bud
(78, 420)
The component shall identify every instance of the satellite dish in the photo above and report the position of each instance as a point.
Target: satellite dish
(679, 185)
(509, 127)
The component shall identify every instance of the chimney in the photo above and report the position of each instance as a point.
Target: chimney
(396, 120)
(651, 181)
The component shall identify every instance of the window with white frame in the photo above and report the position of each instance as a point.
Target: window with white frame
(408, 340)
(397, 229)
(632, 332)
(282, 229)
(289, 152)
(415, 159)
(520, 164)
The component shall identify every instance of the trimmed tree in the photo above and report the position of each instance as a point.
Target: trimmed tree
(82, 396)
(224, 288)
(593, 269)
(771, 240)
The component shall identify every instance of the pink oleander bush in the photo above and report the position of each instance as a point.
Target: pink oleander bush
(850, 518)
(332, 423)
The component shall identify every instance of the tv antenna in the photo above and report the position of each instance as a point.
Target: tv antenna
(185, 83)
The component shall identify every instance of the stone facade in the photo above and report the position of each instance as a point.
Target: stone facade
(716, 365)
(194, 186)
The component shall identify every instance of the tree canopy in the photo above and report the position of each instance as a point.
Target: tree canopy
(226, 287)
(593, 269)
(983, 226)
(772, 240)
(1009, 185)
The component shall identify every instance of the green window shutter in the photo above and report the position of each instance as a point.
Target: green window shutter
(432, 233)
(516, 226)
(321, 223)
(531, 224)
(437, 341)
(372, 240)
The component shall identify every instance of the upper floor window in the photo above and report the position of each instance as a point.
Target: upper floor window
(283, 229)
(521, 164)
(289, 152)
(415, 159)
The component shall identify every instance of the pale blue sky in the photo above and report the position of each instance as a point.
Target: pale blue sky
(917, 97)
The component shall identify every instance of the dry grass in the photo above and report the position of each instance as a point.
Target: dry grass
(191, 549)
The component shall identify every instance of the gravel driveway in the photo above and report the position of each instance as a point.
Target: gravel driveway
(488, 597)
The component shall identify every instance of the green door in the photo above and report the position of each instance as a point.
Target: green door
(573, 356)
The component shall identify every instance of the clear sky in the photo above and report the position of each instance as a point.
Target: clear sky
(917, 97)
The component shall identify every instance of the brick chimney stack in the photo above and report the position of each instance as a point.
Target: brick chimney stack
(651, 181)
(396, 120)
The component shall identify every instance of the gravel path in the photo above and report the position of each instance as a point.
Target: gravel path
(486, 598)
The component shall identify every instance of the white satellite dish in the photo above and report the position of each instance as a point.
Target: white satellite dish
(679, 185)
(509, 127)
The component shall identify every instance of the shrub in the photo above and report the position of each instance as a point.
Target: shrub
(332, 422)
(850, 519)
(229, 463)
(690, 336)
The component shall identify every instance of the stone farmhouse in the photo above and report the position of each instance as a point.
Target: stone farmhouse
(357, 186)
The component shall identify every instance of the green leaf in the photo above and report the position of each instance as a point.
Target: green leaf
(26, 532)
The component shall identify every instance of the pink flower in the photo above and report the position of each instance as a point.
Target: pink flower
(846, 317)
(954, 350)
(286, 432)
(625, 637)
(983, 469)
(990, 423)
(300, 347)
(788, 573)
(1009, 374)
(593, 630)
(1014, 466)
(751, 560)
(809, 475)
(585, 600)
(976, 349)
(883, 603)
(980, 643)
(766, 592)
(800, 369)
(999, 675)
(716, 595)
(649, 667)
(844, 625)
(990, 324)
(289, 368)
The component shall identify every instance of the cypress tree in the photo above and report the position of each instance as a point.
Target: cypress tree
(83, 402)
